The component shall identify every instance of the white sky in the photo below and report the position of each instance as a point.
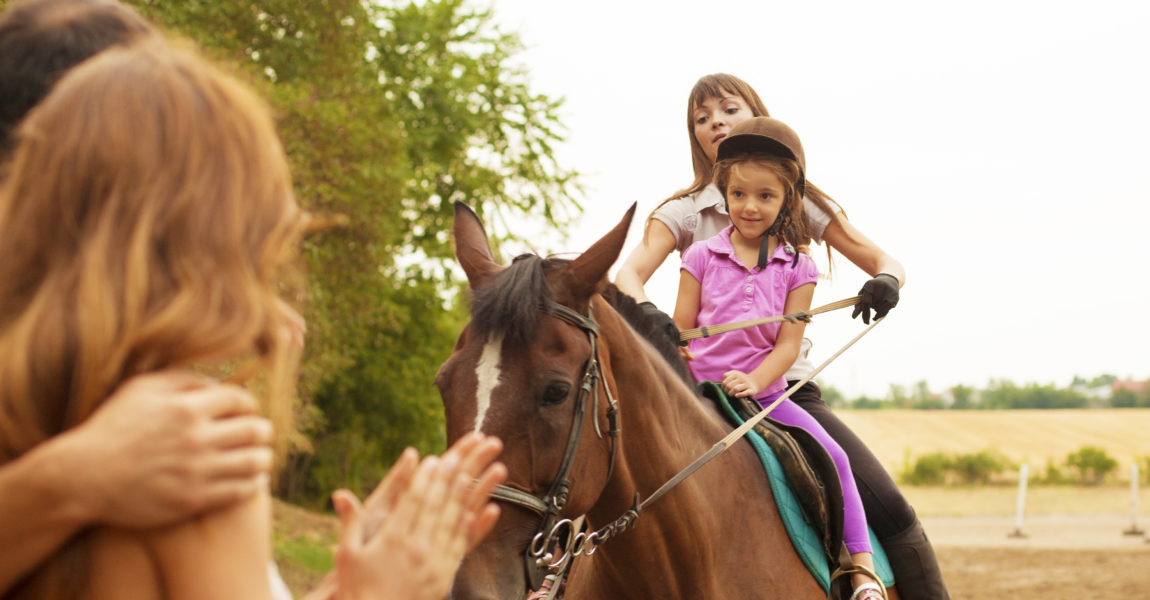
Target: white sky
(999, 149)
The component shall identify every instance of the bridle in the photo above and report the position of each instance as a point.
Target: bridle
(551, 504)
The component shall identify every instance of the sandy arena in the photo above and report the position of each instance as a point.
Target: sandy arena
(1060, 558)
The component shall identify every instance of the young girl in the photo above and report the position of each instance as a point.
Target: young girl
(757, 267)
(717, 103)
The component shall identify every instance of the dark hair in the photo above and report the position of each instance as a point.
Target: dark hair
(40, 40)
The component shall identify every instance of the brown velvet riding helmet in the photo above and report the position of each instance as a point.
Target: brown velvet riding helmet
(771, 136)
(763, 134)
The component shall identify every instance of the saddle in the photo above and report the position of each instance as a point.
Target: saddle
(805, 483)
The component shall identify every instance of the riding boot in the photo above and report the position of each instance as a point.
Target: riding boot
(915, 567)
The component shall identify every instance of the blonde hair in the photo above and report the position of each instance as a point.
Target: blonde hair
(146, 219)
(718, 85)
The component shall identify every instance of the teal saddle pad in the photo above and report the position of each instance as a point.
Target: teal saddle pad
(804, 538)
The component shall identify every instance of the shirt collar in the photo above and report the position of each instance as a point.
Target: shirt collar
(709, 197)
(721, 244)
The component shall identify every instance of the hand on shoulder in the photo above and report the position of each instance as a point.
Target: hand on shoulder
(203, 448)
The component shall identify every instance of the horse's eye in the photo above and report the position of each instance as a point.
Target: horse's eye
(555, 393)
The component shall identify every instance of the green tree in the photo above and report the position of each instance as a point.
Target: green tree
(389, 113)
(962, 396)
(832, 396)
(898, 396)
(1124, 398)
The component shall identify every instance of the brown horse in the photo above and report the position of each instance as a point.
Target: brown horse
(542, 346)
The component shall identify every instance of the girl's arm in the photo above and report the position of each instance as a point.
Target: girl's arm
(790, 339)
(687, 308)
(865, 254)
(657, 244)
(688, 301)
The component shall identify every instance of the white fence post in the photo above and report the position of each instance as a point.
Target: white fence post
(1134, 529)
(1023, 475)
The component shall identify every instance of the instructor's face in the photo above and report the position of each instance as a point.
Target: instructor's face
(715, 117)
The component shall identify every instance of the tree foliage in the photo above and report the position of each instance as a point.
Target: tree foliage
(389, 113)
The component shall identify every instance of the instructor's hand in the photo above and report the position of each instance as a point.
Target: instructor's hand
(880, 293)
(661, 324)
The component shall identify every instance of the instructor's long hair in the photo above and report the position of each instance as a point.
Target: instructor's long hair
(145, 224)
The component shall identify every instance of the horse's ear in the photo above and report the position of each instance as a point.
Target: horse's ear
(586, 272)
(472, 249)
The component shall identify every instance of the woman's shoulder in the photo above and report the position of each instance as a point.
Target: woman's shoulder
(221, 554)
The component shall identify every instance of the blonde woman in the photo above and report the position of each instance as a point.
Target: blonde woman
(148, 218)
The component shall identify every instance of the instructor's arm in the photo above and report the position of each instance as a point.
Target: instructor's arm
(164, 447)
(656, 246)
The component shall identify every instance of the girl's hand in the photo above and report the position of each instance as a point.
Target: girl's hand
(740, 385)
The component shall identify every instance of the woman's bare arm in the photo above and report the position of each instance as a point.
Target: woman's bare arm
(645, 259)
(841, 235)
(203, 448)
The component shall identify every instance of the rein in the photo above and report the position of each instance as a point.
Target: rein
(601, 535)
(709, 330)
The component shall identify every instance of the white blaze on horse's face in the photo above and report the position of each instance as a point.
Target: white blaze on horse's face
(487, 377)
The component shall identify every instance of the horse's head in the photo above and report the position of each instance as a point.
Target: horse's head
(526, 369)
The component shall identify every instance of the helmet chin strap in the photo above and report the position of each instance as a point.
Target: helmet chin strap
(772, 230)
(775, 227)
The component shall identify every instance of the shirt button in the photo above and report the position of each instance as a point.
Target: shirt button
(748, 289)
(750, 278)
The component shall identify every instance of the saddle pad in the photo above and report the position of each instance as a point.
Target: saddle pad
(806, 541)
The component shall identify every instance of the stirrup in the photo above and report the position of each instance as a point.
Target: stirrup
(865, 570)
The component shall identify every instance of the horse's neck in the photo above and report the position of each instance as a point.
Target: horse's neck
(665, 427)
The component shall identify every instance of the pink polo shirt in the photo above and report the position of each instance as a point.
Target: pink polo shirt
(732, 292)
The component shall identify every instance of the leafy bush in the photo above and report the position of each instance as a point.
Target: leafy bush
(938, 468)
(1091, 464)
(929, 469)
(980, 467)
(1054, 475)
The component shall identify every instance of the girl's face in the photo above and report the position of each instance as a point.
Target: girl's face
(754, 197)
(715, 117)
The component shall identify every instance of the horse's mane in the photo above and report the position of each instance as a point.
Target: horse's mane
(509, 304)
(646, 327)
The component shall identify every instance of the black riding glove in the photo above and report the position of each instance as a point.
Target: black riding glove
(661, 323)
(880, 294)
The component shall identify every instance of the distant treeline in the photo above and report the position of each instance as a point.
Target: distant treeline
(1104, 391)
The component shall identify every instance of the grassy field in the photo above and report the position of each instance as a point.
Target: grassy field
(304, 541)
(1038, 437)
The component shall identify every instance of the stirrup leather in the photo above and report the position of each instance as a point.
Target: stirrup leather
(863, 569)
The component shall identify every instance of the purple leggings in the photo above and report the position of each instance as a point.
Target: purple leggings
(855, 534)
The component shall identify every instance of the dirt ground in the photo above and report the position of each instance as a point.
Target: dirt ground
(1059, 557)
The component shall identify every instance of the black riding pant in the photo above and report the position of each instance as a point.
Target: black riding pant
(887, 511)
